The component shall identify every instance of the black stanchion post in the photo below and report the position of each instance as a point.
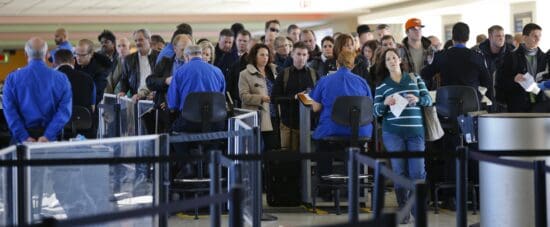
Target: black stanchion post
(420, 216)
(387, 220)
(353, 186)
(164, 172)
(236, 209)
(540, 193)
(49, 222)
(461, 186)
(215, 211)
(118, 126)
(23, 191)
(379, 193)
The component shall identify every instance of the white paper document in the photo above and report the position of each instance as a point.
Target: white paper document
(400, 105)
(529, 84)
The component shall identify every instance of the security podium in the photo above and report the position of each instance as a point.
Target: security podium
(305, 145)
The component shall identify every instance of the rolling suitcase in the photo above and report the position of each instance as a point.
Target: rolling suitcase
(283, 183)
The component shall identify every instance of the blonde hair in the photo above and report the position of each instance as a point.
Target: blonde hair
(205, 44)
(346, 59)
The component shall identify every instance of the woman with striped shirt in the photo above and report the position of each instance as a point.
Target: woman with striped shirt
(406, 131)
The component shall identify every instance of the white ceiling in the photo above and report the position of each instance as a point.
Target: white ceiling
(160, 7)
(21, 19)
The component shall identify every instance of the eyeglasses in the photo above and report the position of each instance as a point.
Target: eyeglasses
(81, 55)
(274, 30)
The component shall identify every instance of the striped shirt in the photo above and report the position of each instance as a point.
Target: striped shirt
(410, 122)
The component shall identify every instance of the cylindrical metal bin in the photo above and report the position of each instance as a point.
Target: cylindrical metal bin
(506, 193)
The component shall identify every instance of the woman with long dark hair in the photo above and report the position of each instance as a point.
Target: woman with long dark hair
(404, 132)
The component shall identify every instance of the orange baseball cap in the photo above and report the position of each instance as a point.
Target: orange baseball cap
(413, 22)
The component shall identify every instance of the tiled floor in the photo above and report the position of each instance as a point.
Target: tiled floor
(301, 217)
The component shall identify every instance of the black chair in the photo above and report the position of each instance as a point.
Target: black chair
(354, 112)
(81, 121)
(202, 110)
(452, 102)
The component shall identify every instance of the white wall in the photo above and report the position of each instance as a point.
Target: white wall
(478, 14)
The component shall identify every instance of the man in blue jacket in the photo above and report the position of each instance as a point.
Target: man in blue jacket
(61, 38)
(194, 76)
(37, 100)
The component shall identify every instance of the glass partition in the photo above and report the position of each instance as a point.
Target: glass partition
(107, 117)
(8, 191)
(250, 170)
(128, 117)
(83, 190)
(147, 117)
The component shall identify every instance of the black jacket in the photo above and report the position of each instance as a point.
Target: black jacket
(224, 60)
(298, 81)
(232, 80)
(82, 86)
(322, 68)
(130, 71)
(493, 61)
(361, 69)
(510, 92)
(156, 81)
(459, 66)
(98, 69)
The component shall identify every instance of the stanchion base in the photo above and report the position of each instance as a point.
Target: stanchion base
(268, 217)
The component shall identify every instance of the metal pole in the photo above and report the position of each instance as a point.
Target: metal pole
(215, 211)
(420, 216)
(353, 186)
(236, 210)
(461, 186)
(379, 193)
(22, 187)
(164, 173)
(305, 147)
(540, 193)
(257, 177)
(387, 220)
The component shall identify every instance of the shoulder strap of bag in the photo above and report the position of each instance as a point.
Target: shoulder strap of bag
(413, 78)
(286, 73)
(313, 75)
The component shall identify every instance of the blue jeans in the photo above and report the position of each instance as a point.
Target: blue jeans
(412, 168)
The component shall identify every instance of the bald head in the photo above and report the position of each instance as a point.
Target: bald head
(123, 46)
(61, 35)
(181, 42)
(36, 48)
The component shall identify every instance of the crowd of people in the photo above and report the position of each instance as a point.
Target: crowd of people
(268, 74)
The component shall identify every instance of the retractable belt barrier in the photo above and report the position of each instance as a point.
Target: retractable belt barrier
(354, 157)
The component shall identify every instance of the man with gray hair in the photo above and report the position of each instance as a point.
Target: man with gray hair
(138, 66)
(194, 76)
(37, 100)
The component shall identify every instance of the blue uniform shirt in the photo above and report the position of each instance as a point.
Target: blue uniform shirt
(64, 45)
(167, 51)
(328, 88)
(36, 96)
(194, 76)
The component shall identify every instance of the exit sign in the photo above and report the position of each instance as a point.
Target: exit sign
(4, 57)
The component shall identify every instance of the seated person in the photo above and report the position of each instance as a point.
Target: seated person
(194, 76)
(341, 83)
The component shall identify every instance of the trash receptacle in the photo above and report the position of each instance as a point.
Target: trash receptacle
(506, 193)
